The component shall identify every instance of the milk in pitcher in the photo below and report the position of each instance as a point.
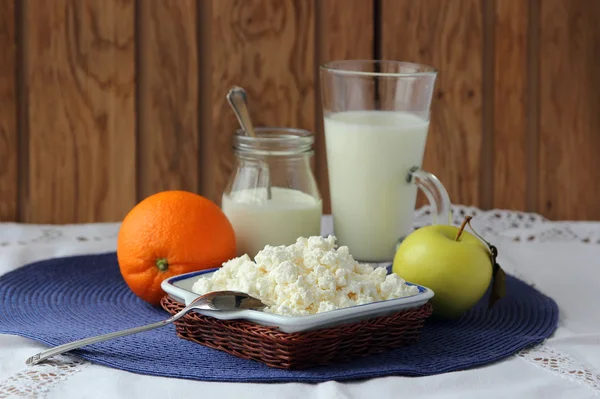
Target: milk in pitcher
(369, 155)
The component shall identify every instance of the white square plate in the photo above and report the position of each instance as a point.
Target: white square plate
(180, 289)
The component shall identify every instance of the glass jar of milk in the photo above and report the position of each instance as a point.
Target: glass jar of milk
(272, 196)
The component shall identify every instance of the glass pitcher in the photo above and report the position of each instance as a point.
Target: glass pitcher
(376, 118)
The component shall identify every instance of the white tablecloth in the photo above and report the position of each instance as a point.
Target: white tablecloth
(561, 259)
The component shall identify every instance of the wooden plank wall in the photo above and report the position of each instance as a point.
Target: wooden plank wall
(449, 36)
(167, 96)
(568, 176)
(104, 102)
(79, 110)
(8, 113)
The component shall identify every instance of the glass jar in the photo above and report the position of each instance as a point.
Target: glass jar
(272, 196)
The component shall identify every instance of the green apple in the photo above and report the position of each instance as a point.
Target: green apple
(459, 271)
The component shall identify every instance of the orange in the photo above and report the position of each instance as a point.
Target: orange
(171, 233)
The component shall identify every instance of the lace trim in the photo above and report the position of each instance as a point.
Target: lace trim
(518, 226)
(36, 381)
(551, 360)
(581, 232)
(488, 223)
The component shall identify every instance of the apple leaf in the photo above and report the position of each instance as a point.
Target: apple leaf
(498, 275)
(498, 279)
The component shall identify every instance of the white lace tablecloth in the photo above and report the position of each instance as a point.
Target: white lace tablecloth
(560, 259)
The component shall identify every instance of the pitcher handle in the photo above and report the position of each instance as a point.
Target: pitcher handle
(436, 194)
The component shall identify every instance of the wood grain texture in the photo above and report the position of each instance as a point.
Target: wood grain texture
(345, 31)
(8, 114)
(569, 135)
(267, 47)
(510, 104)
(80, 90)
(447, 35)
(167, 96)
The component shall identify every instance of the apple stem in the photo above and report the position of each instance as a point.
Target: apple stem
(462, 227)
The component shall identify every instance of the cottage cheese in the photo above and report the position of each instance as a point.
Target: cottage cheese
(308, 277)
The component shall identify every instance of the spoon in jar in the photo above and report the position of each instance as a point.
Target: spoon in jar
(238, 100)
(217, 300)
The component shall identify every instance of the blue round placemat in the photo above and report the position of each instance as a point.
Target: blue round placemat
(61, 300)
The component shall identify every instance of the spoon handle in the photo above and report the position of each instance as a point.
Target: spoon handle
(35, 359)
(238, 100)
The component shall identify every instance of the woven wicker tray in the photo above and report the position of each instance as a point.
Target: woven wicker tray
(303, 349)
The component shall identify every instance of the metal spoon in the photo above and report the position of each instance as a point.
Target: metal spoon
(218, 300)
(238, 100)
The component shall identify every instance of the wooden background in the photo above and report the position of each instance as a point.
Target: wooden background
(103, 102)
